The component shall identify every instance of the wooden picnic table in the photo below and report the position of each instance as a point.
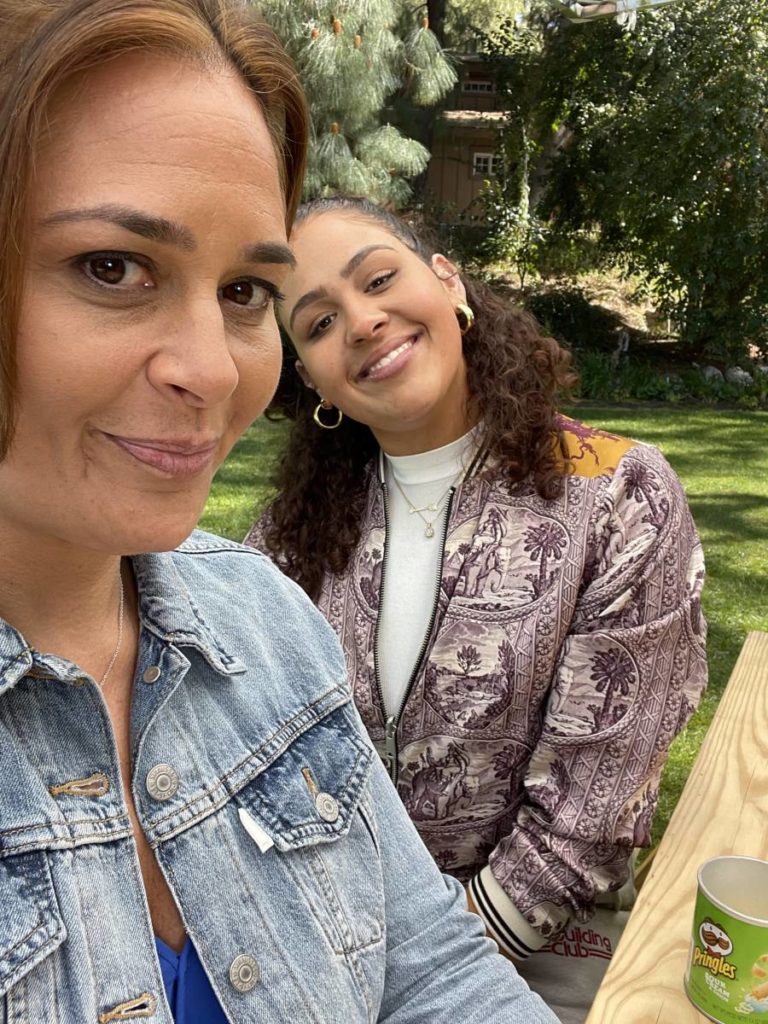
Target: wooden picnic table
(723, 810)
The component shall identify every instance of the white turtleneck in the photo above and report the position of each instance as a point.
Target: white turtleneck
(413, 560)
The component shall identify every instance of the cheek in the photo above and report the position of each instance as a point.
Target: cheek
(321, 367)
(259, 372)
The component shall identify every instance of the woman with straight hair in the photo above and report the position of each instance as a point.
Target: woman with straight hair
(193, 825)
(517, 594)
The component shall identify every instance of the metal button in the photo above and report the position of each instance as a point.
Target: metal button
(244, 973)
(327, 807)
(162, 781)
(151, 674)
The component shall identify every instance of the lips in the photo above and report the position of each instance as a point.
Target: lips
(387, 357)
(177, 458)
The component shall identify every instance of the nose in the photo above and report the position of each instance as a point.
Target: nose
(194, 359)
(365, 320)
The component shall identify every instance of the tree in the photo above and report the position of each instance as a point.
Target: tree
(657, 141)
(468, 658)
(353, 56)
(467, 23)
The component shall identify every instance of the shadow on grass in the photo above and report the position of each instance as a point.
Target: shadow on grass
(731, 517)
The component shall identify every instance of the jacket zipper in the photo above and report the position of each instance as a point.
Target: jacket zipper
(392, 723)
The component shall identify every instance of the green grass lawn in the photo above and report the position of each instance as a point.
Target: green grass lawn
(721, 456)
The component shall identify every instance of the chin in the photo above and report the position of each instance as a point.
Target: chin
(165, 539)
(154, 533)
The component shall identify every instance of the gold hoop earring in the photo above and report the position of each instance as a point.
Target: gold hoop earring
(322, 404)
(466, 317)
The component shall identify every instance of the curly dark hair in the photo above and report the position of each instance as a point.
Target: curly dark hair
(515, 376)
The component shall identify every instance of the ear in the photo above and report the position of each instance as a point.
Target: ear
(302, 372)
(448, 273)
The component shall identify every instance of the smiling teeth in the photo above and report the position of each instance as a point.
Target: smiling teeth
(389, 357)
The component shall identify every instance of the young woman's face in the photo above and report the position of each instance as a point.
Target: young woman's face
(376, 333)
(147, 339)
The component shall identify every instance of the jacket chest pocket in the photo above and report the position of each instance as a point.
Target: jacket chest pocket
(312, 803)
(31, 926)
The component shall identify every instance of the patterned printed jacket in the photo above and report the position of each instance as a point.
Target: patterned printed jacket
(566, 652)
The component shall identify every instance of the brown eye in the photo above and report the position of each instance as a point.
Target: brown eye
(379, 280)
(115, 270)
(249, 294)
(108, 269)
(320, 326)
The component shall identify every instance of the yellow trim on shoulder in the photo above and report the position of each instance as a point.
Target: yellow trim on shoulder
(592, 452)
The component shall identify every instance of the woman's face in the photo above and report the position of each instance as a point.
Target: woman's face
(147, 340)
(376, 333)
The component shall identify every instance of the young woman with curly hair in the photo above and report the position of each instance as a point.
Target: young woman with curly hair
(517, 594)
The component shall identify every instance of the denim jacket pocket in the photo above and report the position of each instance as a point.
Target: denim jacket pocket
(313, 803)
(31, 925)
(310, 792)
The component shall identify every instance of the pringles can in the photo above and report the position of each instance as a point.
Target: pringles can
(727, 975)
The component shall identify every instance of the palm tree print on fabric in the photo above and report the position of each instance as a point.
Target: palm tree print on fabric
(542, 542)
(370, 585)
(504, 762)
(612, 673)
(550, 790)
(642, 486)
(483, 565)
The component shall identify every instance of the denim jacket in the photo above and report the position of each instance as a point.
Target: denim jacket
(299, 877)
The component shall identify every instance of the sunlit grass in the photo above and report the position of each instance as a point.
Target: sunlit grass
(242, 486)
(722, 458)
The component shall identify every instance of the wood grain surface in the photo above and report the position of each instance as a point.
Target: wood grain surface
(722, 810)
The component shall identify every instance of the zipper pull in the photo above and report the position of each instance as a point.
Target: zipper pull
(390, 745)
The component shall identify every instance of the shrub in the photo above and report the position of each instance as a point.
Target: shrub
(603, 378)
(568, 315)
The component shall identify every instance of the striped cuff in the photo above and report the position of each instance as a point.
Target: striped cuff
(503, 921)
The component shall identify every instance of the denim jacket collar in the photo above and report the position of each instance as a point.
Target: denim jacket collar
(166, 608)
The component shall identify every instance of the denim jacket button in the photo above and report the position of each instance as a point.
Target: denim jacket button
(327, 807)
(162, 782)
(151, 674)
(244, 973)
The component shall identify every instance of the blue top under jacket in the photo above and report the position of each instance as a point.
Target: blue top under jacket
(189, 993)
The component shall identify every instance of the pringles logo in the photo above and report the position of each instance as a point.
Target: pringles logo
(715, 947)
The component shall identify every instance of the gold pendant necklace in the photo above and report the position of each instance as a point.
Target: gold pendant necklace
(434, 506)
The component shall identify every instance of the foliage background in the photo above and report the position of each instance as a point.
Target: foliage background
(655, 143)
(353, 57)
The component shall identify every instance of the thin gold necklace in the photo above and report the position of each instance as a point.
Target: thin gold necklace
(120, 620)
(434, 506)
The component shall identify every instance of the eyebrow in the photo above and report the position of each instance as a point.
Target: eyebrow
(268, 252)
(157, 229)
(354, 262)
(347, 270)
(168, 232)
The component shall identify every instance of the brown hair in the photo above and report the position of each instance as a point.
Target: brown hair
(43, 43)
(515, 374)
